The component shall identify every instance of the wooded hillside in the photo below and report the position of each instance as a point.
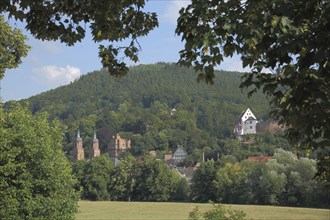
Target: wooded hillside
(139, 104)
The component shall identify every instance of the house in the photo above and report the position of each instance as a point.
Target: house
(246, 123)
(167, 157)
(173, 112)
(153, 153)
(179, 155)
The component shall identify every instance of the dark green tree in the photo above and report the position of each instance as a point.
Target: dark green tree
(182, 192)
(124, 179)
(95, 181)
(289, 38)
(156, 182)
(78, 170)
(202, 186)
(35, 176)
(66, 21)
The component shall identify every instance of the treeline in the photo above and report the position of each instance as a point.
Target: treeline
(139, 105)
(283, 180)
(130, 180)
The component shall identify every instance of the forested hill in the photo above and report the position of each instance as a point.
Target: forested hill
(138, 105)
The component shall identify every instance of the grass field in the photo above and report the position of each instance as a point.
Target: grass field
(167, 211)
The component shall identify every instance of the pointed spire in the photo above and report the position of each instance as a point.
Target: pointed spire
(78, 135)
(94, 134)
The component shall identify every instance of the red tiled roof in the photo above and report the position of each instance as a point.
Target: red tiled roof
(261, 159)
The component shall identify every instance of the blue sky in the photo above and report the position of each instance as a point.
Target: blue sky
(51, 64)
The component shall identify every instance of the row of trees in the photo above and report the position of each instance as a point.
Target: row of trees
(283, 180)
(150, 180)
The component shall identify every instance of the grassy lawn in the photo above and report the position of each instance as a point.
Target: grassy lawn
(167, 210)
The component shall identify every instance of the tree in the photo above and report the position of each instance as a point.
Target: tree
(182, 191)
(297, 174)
(289, 38)
(65, 20)
(94, 176)
(156, 182)
(202, 185)
(12, 47)
(35, 176)
(230, 183)
(123, 179)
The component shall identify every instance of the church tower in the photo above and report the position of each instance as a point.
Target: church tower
(94, 150)
(78, 152)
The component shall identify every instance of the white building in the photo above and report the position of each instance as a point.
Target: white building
(246, 123)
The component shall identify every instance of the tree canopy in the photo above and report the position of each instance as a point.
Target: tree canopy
(66, 20)
(288, 38)
(35, 176)
(12, 47)
(284, 179)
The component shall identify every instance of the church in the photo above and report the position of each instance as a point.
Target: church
(115, 148)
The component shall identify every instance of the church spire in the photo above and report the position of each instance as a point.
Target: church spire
(94, 150)
(78, 152)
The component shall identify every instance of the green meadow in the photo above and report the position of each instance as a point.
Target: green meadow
(167, 210)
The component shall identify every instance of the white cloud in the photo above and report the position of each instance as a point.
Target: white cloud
(56, 76)
(171, 13)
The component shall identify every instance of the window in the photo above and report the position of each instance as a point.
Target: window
(250, 127)
(250, 122)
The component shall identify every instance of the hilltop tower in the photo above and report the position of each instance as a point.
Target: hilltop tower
(78, 152)
(95, 149)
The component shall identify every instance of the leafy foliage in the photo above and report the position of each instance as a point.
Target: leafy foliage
(12, 47)
(283, 180)
(157, 182)
(290, 38)
(202, 187)
(124, 179)
(93, 176)
(150, 180)
(112, 21)
(35, 176)
(218, 212)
